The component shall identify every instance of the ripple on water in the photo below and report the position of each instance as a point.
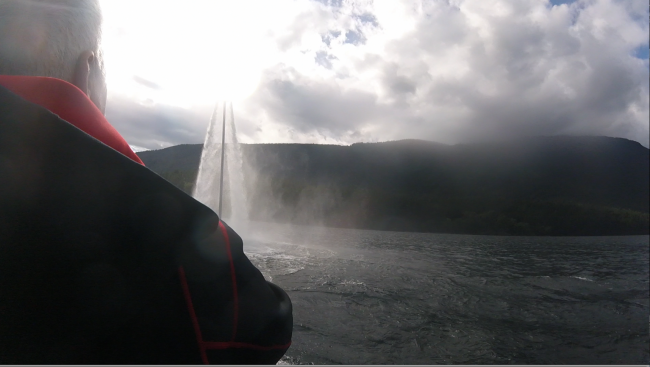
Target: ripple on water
(462, 299)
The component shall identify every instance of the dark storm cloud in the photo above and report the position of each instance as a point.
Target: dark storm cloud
(306, 105)
(397, 84)
(155, 126)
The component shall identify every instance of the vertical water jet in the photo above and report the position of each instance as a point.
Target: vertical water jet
(220, 181)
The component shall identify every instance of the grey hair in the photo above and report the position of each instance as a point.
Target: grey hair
(46, 37)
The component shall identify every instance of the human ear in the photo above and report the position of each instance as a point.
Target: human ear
(89, 77)
(82, 71)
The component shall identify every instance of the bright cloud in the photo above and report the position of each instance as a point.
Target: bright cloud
(345, 71)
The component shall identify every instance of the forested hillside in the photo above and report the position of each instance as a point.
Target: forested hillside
(535, 186)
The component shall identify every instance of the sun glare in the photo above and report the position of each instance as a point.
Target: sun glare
(183, 53)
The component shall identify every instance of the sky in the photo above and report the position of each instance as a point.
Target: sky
(346, 71)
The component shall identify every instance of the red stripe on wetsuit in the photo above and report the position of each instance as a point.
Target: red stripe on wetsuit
(206, 345)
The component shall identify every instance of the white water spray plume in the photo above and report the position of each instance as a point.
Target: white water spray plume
(209, 181)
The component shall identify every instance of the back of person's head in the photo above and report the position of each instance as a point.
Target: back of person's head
(53, 38)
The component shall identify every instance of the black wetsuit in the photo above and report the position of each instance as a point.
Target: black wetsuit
(104, 262)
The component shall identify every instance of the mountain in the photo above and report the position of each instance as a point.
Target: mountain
(536, 186)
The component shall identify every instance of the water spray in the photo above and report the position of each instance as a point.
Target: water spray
(223, 154)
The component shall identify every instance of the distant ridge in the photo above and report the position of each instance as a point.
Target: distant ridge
(561, 185)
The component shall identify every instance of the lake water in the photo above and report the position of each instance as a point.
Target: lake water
(369, 297)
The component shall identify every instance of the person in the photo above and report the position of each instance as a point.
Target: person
(101, 260)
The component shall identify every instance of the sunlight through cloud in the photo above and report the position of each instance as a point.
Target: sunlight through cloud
(196, 51)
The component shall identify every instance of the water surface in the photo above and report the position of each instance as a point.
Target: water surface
(369, 297)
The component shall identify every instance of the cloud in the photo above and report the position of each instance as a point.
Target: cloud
(145, 82)
(475, 69)
(148, 125)
(448, 71)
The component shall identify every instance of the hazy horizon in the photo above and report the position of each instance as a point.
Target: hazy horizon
(140, 149)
